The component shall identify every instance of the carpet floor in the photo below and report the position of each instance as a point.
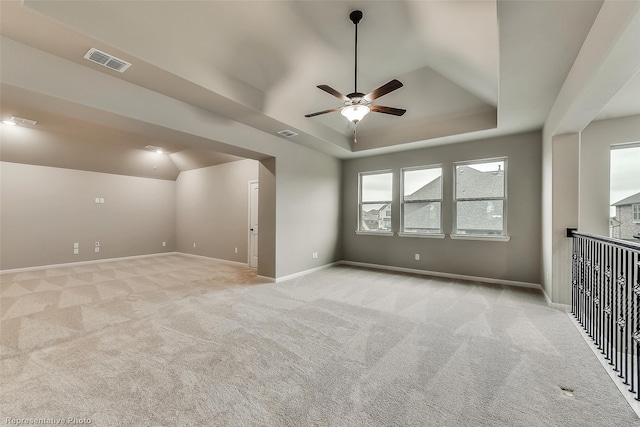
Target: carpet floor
(174, 340)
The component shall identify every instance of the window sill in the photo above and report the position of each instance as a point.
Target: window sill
(422, 235)
(481, 238)
(375, 233)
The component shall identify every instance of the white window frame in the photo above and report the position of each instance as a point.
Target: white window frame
(403, 233)
(635, 212)
(359, 229)
(494, 237)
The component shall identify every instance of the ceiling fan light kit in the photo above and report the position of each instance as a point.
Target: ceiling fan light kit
(355, 113)
(357, 105)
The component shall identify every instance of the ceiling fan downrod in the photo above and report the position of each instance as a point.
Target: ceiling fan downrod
(355, 17)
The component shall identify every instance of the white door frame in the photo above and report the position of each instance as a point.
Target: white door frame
(250, 229)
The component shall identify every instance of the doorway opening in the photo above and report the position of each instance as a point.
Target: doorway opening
(624, 192)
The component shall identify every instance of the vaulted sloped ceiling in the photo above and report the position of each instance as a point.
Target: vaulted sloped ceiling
(470, 69)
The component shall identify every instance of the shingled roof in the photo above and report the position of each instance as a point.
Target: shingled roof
(429, 191)
(479, 183)
(631, 200)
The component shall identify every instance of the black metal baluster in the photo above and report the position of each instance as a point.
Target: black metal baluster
(609, 307)
(614, 313)
(589, 283)
(622, 321)
(605, 300)
(633, 322)
(583, 300)
(574, 278)
(597, 299)
(636, 334)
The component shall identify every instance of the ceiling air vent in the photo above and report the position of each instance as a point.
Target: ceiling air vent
(109, 61)
(287, 133)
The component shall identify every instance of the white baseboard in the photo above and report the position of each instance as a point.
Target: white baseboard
(446, 275)
(226, 261)
(80, 263)
(556, 306)
(302, 273)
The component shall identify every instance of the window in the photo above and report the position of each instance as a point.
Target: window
(374, 206)
(480, 198)
(421, 200)
(636, 212)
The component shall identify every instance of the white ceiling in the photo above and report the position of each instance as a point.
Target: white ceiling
(470, 69)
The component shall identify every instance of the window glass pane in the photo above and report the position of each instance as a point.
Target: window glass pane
(480, 217)
(422, 184)
(376, 187)
(375, 217)
(422, 217)
(479, 180)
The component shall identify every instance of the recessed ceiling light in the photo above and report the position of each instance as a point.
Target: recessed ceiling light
(155, 149)
(14, 121)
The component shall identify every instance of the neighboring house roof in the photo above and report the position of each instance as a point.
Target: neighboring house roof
(421, 216)
(429, 191)
(479, 215)
(479, 184)
(631, 200)
(371, 215)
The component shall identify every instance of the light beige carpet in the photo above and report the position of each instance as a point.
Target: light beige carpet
(175, 340)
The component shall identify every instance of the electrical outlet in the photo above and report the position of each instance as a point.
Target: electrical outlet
(97, 249)
(417, 257)
(76, 251)
(236, 250)
(164, 243)
(194, 244)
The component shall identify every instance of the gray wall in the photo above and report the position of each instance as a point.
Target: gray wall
(308, 210)
(212, 210)
(515, 260)
(45, 210)
(267, 218)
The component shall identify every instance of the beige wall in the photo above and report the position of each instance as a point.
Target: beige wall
(515, 260)
(212, 210)
(45, 210)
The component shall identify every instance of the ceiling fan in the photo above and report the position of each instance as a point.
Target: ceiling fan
(357, 104)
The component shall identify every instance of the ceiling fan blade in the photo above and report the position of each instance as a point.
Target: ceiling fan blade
(332, 91)
(383, 90)
(388, 110)
(323, 112)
